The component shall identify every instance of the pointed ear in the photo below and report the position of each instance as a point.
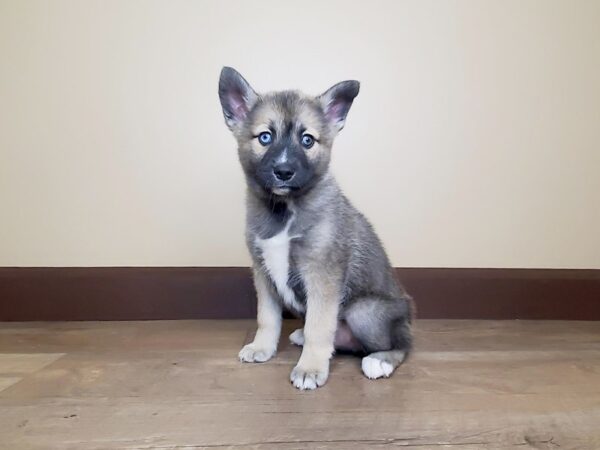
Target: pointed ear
(236, 95)
(336, 102)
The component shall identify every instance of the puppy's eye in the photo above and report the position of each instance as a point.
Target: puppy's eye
(307, 141)
(265, 138)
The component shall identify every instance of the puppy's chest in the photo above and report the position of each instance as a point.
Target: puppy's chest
(276, 257)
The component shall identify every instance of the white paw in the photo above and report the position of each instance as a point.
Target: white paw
(308, 379)
(374, 368)
(297, 337)
(253, 353)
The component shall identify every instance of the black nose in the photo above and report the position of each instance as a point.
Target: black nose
(283, 172)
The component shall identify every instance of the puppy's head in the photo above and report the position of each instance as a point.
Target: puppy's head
(284, 138)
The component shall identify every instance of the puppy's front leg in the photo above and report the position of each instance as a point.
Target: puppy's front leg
(322, 304)
(265, 342)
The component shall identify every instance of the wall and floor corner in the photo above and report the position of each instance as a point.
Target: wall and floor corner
(473, 147)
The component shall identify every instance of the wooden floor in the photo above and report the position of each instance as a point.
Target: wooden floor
(178, 384)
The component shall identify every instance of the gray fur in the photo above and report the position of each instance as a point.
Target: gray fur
(328, 235)
(372, 299)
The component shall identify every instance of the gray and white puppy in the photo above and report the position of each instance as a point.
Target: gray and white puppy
(313, 252)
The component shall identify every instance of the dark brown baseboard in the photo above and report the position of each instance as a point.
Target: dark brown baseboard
(145, 293)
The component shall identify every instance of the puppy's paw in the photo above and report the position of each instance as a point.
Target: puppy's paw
(303, 378)
(374, 368)
(254, 353)
(297, 337)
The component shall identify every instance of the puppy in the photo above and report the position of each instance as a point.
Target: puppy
(313, 252)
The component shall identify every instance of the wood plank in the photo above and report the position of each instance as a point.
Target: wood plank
(24, 363)
(143, 385)
(6, 381)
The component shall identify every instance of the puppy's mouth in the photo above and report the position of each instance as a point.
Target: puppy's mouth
(283, 190)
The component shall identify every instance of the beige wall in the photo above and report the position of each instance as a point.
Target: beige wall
(475, 140)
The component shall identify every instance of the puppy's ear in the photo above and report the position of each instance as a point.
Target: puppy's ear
(236, 95)
(336, 102)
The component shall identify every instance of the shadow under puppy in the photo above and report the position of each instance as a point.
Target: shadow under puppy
(313, 252)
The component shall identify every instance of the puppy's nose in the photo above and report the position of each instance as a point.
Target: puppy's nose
(283, 172)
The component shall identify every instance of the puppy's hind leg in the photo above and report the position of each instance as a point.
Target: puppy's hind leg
(297, 337)
(382, 326)
(382, 364)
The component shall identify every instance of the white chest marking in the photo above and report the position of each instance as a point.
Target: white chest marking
(276, 259)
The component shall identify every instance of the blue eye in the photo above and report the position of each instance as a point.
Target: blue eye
(265, 138)
(307, 141)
